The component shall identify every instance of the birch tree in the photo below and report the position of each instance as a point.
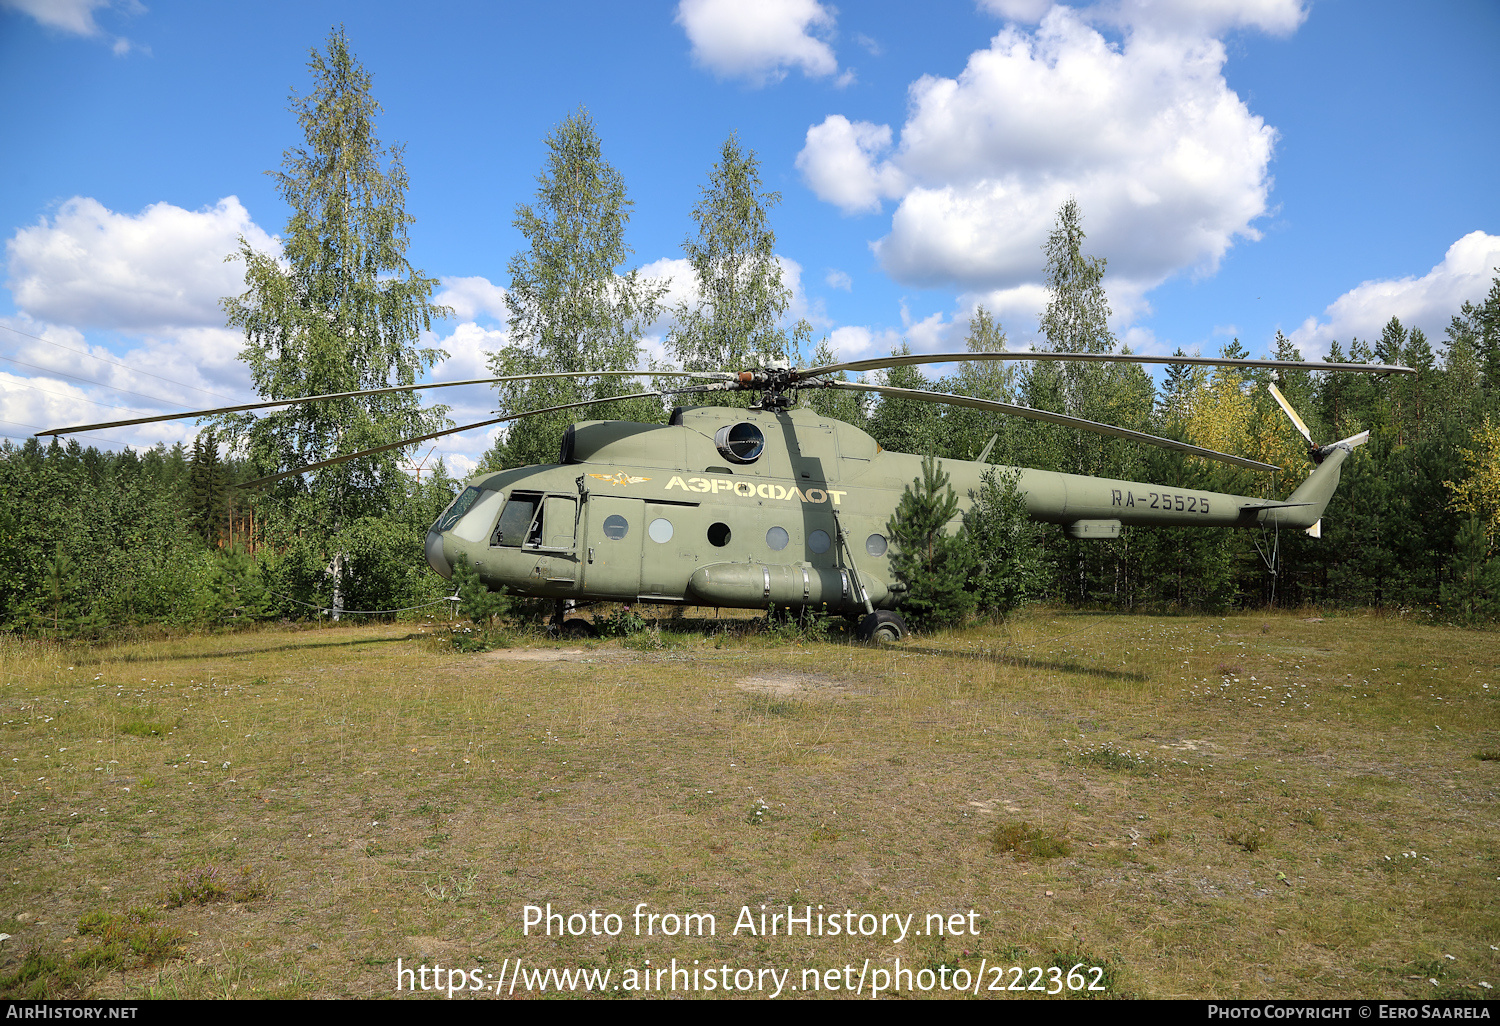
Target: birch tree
(571, 306)
(339, 309)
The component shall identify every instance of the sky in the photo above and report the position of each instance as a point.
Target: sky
(1245, 167)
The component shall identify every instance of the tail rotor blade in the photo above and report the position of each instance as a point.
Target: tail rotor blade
(1287, 409)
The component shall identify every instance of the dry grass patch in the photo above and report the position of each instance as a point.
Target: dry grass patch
(401, 799)
(1025, 841)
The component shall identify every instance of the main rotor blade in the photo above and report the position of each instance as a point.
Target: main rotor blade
(712, 375)
(879, 363)
(440, 434)
(1051, 418)
(1286, 408)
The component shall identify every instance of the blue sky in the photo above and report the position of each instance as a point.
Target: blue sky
(1244, 166)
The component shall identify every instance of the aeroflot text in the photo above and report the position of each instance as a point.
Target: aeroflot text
(782, 921)
(752, 489)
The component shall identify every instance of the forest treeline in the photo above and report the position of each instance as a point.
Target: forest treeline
(94, 541)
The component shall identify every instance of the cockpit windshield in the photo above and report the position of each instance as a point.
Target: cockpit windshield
(460, 506)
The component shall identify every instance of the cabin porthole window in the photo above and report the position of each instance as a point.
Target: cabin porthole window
(876, 545)
(718, 534)
(776, 539)
(660, 530)
(740, 443)
(615, 527)
(819, 541)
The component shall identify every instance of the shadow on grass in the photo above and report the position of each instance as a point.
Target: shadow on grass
(248, 651)
(1030, 663)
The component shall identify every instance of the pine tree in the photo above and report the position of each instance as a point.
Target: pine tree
(848, 407)
(1077, 321)
(908, 425)
(932, 563)
(969, 430)
(1077, 315)
(1473, 594)
(206, 484)
(570, 308)
(1009, 563)
(339, 309)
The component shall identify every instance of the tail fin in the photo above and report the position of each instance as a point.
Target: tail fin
(1304, 507)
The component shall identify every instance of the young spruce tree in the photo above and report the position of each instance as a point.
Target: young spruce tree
(933, 564)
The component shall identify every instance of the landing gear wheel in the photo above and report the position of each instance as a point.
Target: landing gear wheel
(882, 626)
(578, 630)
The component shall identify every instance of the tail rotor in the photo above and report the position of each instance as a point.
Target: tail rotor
(1317, 453)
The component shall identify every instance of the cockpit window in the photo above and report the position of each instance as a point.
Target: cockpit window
(460, 506)
(515, 521)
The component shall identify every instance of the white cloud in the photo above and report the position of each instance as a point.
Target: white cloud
(76, 17)
(800, 306)
(836, 279)
(838, 162)
(192, 367)
(468, 348)
(471, 297)
(1205, 17)
(163, 267)
(1193, 17)
(1026, 11)
(759, 41)
(854, 342)
(1428, 302)
(1017, 310)
(682, 288)
(681, 281)
(1168, 165)
(68, 380)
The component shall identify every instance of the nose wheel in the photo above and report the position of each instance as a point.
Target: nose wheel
(882, 626)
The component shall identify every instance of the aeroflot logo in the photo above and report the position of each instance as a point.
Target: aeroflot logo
(751, 489)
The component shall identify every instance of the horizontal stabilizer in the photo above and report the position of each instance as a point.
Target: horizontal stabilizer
(1347, 444)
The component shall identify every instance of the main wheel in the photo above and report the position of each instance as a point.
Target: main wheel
(578, 630)
(882, 625)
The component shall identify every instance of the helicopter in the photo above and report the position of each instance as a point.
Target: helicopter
(775, 505)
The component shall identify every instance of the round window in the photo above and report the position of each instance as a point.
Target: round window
(776, 539)
(718, 535)
(660, 530)
(740, 443)
(875, 545)
(615, 527)
(819, 541)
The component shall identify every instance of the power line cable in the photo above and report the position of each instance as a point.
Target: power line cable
(112, 441)
(107, 406)
(126, 366)
(91, 381)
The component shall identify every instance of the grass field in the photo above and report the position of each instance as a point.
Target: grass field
(1252, 806)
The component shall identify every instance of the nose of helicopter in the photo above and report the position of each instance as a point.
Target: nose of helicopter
(435, 557)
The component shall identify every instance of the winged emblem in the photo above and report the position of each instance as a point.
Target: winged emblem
(621, 478)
